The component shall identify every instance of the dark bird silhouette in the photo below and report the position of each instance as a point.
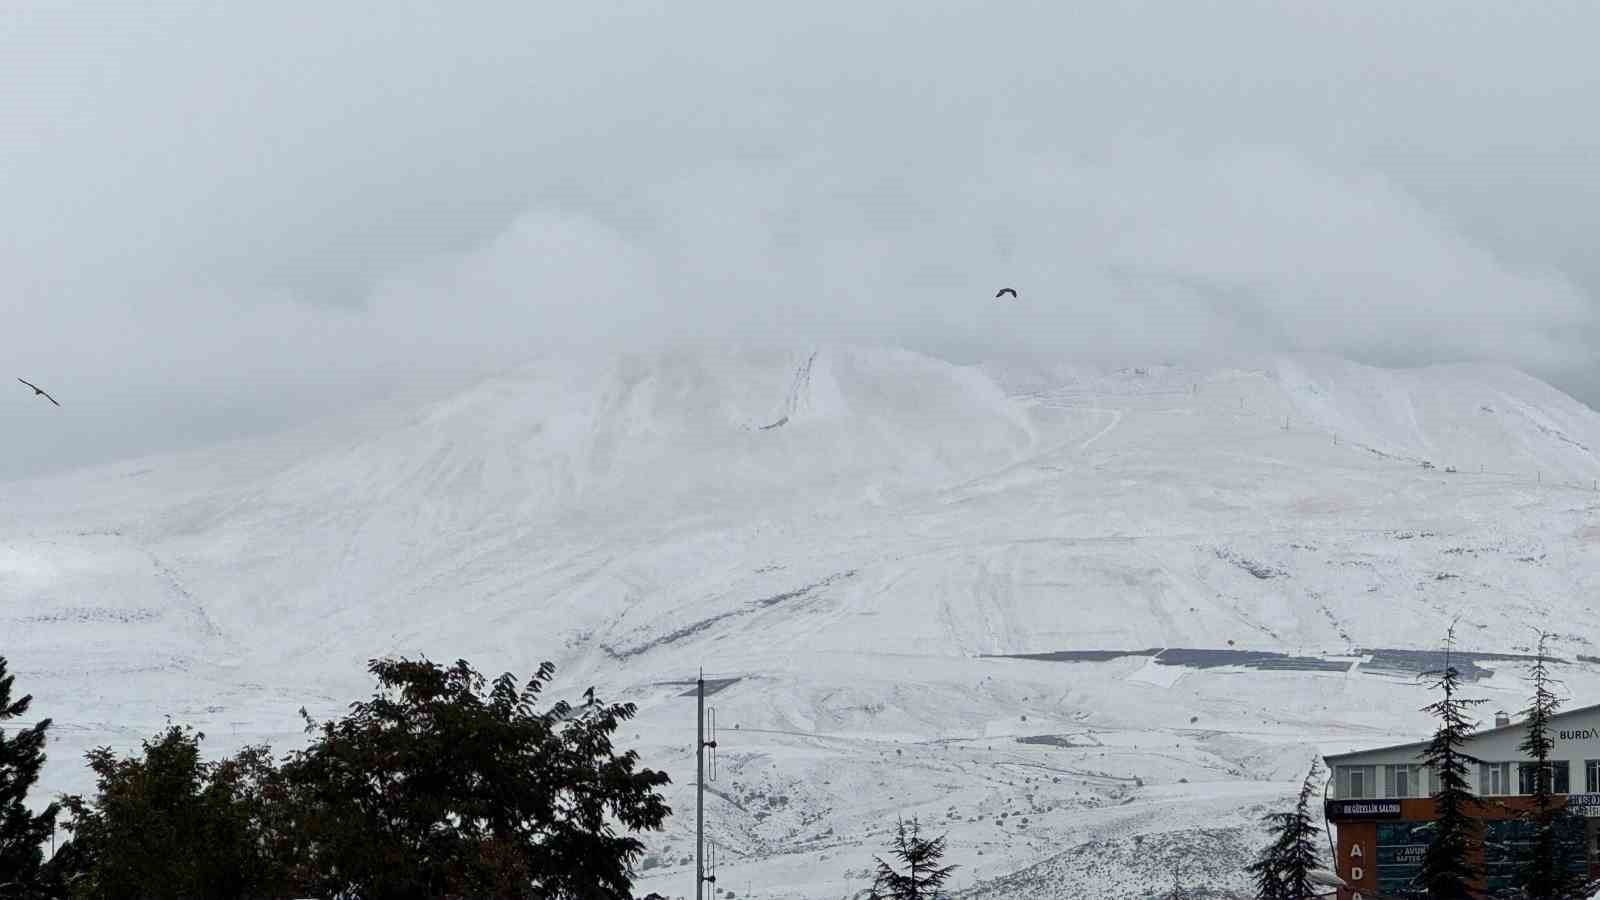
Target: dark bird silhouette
(588, 696)
(1004, 291)
(38, 391)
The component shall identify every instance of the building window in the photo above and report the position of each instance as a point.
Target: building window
(1404, 781)
(1494, 779)
(1591, 770)
(1424, 781)
(1356, 782)
(1555, 774)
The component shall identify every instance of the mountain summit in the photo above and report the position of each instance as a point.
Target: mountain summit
(1057, 610)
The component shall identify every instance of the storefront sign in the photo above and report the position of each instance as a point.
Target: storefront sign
(1358, 863)
(1586, 805)
(1363, 809)
(1401, 846)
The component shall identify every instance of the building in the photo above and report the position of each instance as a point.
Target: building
(1380, 803)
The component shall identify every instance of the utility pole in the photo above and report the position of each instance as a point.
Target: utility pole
(701, 744)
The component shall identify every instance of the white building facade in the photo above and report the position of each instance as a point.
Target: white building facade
(1380, 797)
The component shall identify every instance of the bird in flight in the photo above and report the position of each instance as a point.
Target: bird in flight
(1004, 291)
(38, 391)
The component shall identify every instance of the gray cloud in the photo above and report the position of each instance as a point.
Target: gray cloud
(222, 219)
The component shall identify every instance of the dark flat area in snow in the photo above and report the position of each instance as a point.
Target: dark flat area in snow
(1384, 659)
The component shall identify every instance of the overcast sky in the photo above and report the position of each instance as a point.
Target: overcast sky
(219, 218)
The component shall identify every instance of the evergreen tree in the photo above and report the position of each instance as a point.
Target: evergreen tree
(1545, 875)
(923, 875)
(22, 833)
(1284, 870)
(1449, 870)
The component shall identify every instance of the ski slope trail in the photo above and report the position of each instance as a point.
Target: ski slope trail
(1116, 419)
(797, 393)
(861, 571)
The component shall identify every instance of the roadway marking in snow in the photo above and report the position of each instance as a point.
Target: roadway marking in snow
(1033, 459)
(1116, 419)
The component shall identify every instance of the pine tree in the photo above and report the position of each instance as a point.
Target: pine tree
(923, 876)
(22, 833)
(1267, 872)
(1449, 870)
(1544, 876)
(1284, 870)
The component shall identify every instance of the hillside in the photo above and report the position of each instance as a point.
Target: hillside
(864, 541)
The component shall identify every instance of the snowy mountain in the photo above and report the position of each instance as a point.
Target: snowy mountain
(1092, 623)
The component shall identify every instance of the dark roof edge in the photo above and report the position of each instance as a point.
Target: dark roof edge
(1333, 757)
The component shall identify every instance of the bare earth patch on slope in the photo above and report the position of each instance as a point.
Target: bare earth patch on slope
(749, 608)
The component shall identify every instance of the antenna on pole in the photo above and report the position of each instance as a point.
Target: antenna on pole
(701, 745)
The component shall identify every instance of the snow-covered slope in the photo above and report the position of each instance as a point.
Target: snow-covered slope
(859, 536)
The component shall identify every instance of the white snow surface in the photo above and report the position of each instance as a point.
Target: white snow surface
(849, 531)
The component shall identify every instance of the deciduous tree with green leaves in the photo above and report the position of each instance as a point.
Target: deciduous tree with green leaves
(166, 825)
(437, 786)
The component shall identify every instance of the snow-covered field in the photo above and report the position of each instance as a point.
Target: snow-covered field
(854, 534)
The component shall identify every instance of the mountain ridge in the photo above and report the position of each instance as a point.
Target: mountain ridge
(856, 571)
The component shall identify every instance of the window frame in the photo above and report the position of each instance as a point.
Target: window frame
(1369, 782)
(1407, 781)
(1560, 771)
(1491, 772)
